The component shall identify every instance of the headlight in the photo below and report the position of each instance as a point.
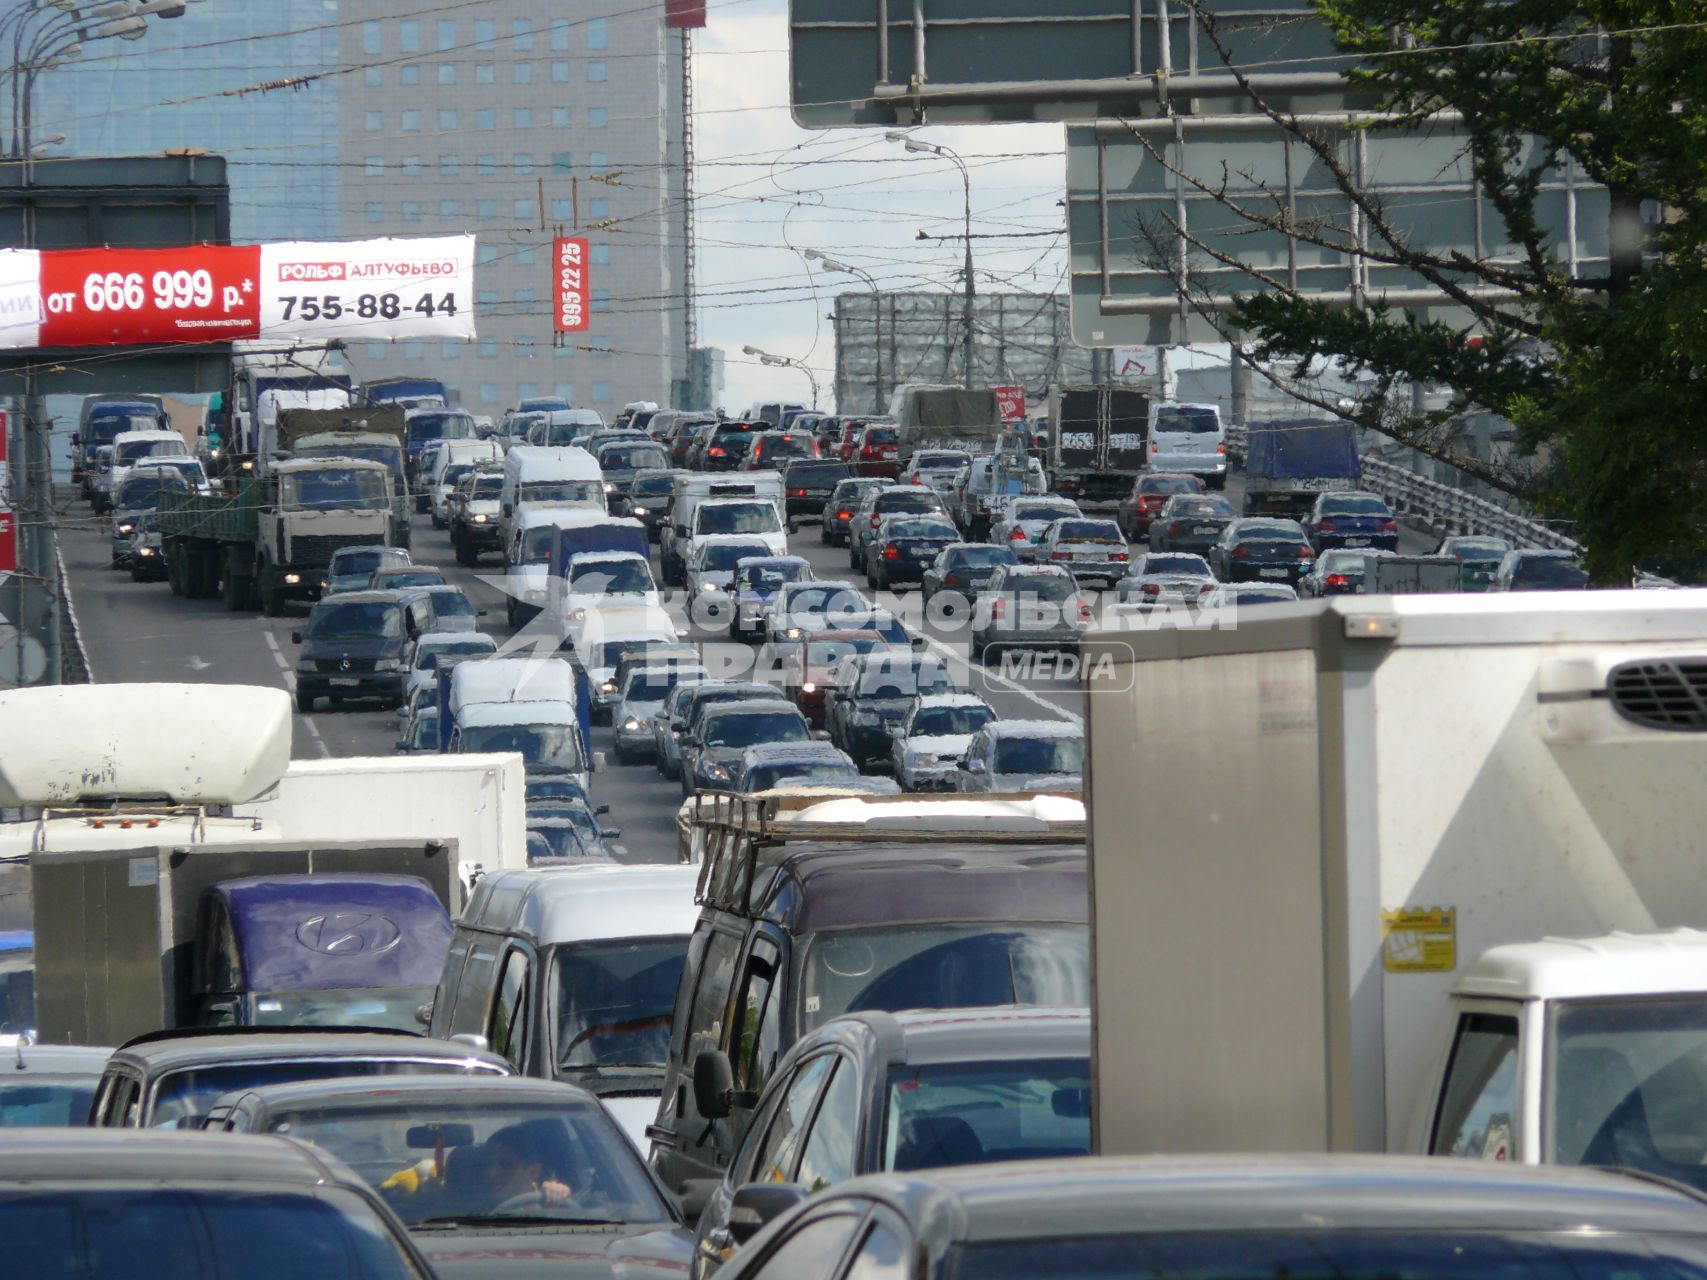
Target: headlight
(631, 725)
(387, 664)
(607, 686)
(580, 615)
(793, 633)
(127, 529)
(710, 587)
(145, 551)
(718, 771)
(610, 488)
(639, 511)
(808, 687)
(480, 519)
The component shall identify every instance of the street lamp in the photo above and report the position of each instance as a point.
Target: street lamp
(831, 264)
(931, 148)
(785, 362)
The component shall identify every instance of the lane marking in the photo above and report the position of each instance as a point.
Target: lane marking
(1002, 682)
(314, 733)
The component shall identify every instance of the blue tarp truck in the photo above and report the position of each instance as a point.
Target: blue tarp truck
(602, 535)
(1290, 461)
(525, 704)
(336, 934)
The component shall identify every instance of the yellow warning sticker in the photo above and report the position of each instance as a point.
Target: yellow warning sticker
(1420, 940)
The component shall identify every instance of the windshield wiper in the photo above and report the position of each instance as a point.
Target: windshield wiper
(515, 1220)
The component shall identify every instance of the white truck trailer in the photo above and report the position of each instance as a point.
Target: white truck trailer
(1334, 850)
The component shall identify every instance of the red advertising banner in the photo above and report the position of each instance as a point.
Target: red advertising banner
(1011, 401)
(569, 280)
(684, 13)
(106, 297)
(8, 541)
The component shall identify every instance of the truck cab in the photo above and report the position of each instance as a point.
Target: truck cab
(315, 507)
(130, 447)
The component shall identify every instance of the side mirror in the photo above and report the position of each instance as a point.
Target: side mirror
(611, 833)
(974, 765)
(471, 1040)
(507, 509)
(599, 811)
(758, 1204)
(296, 637)
(402, 744)
(714, 1093)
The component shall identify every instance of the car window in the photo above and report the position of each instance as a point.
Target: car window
(508, 1034)
(711, 997)
(776, 1156)
(1478, 1101)
(758, 1022)
(827, 1157)
(812, 1250)
(473, 992)
(882, 1256)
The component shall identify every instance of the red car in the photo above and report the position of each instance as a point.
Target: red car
(847, 445)
(1149, 495)
(879, 448)
(810, 668)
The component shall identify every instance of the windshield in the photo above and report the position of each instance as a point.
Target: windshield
(945, 966)
(365, 560)
(39, 1101)
(879, 435)
(1040, 755)
(614, 1001)
(653, 684)
(608, 653)
(985, 1112)
(984, 557)
(633, 458)
(1476, 548)
(647, 486)
(612, 577)
(1054, 588)
(815, 473)
(440, 426)
(940, 461)
(944, 721)
(1047, 513)
(1305, 1253)
(582, 492)
(1550, 571)
(763, 777)
(537, 543)
(723, 557)
(390, 454)
(886, 680)
(131, 450)
(1100, 531)
(392, 1007)
(922, 529)
(563, 840)
(453, 604)
(333, 488)
(1270, 532)
(890, 503)
(768, 577)
(143, 493)
(445, 1159)
(140, 1232)
(1184, 418)
(1194, 565)
(1200, 506)
(455, 471)
(542, 746)
(750, 728)
(737, 517)
(1170, 484)
(810, 605)
(427, 655)
(359, 621)
(487, 486)
(397, 579)
(823, 653)
(1355, 505)
(181, 1096)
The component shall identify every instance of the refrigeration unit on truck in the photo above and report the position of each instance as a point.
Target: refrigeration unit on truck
(928, 416)
(1436, 887)
(1097, 438)
(269, 537)
(374, 434)
(1289, 462)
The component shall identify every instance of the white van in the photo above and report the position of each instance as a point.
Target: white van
(528, 553)
(1188, 439)
(543, 476)
(566, 970)
(454, 461)
(525, 705)
(675, 538)
(130, 446)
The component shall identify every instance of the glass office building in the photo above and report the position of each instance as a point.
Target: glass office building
(175, 87)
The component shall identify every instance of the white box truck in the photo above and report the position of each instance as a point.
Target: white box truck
(1334, 849)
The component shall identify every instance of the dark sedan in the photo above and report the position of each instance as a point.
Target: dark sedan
(648, 500)
(843, 503)
(1148, 496)
(1478, 560)
(1191, 522)
(1262, 549)
(807, 484)
(352, 647)
(964, 569)
(903, 546)
(1352, 520)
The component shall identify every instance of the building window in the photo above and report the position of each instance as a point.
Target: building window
(526, 390)
(372, 38)
(486, 209)
(598, 35)
(524, 347)
(565, 351)
(524, 163)
(522, 73)
(486, 300)
(375, 211)
(560, 117)
(597, 117)
(560, 35)
(601, 299)
(562, 209)
(450, 208)
(524, 117)
(450, 351)
(450, 166)
(595, 73)
(447, 119)
(598, 160)
(486, 118)
(409, 120)
(412, 166)
(447, 73)
(486, 166)
(414, 350)
(485, 33)
(601, 393)
(526, 210)
(374, 121)
(485, 254)
(410, 74)
(488, 391)
(560, 73)
(599, 208)
(378, 350)
(373, 77)
(561, 162)
(526, 298)
(409, 35)
(488, 348)
(601, 255)
(373, 167)
(526, 255)
(522, 32)
(485, 73)
(411, 211)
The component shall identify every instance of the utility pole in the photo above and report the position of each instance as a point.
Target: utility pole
(690, 326)
(935, 149)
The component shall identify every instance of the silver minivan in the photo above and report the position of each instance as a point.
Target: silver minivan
(1189, 438)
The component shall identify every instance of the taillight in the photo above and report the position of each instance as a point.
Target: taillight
(1221, 449)
(1241, 552)
(1060, 555)
(1121, 556)
(874, 519)
(844, 515)
(1335, 580)
(1389, 526)
(715, 451)
(1151, 588)
(891, 552)
(800, 493)
(1016, 534)
(951, 580)
(1304, 553)
(1175, 527)
(1154, 447)
(1327, 526)
(997, 608)
(1084, 612)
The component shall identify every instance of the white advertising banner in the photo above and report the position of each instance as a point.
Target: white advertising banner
(370, 290)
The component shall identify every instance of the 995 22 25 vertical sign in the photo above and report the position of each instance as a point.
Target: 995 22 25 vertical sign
(569, 265)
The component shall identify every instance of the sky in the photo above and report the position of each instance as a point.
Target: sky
(767, 190)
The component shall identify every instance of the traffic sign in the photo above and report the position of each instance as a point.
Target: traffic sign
(872, 62)
(1156, 252)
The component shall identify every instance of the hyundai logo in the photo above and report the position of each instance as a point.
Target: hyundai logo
(349, 933)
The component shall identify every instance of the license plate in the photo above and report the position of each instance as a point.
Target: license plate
(344, 682)
(1205, 530)
(1271, 573)
(1086, 557)
(1357, 542)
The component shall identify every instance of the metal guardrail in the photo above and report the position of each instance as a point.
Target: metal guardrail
(1449, 512)
(73, 659)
